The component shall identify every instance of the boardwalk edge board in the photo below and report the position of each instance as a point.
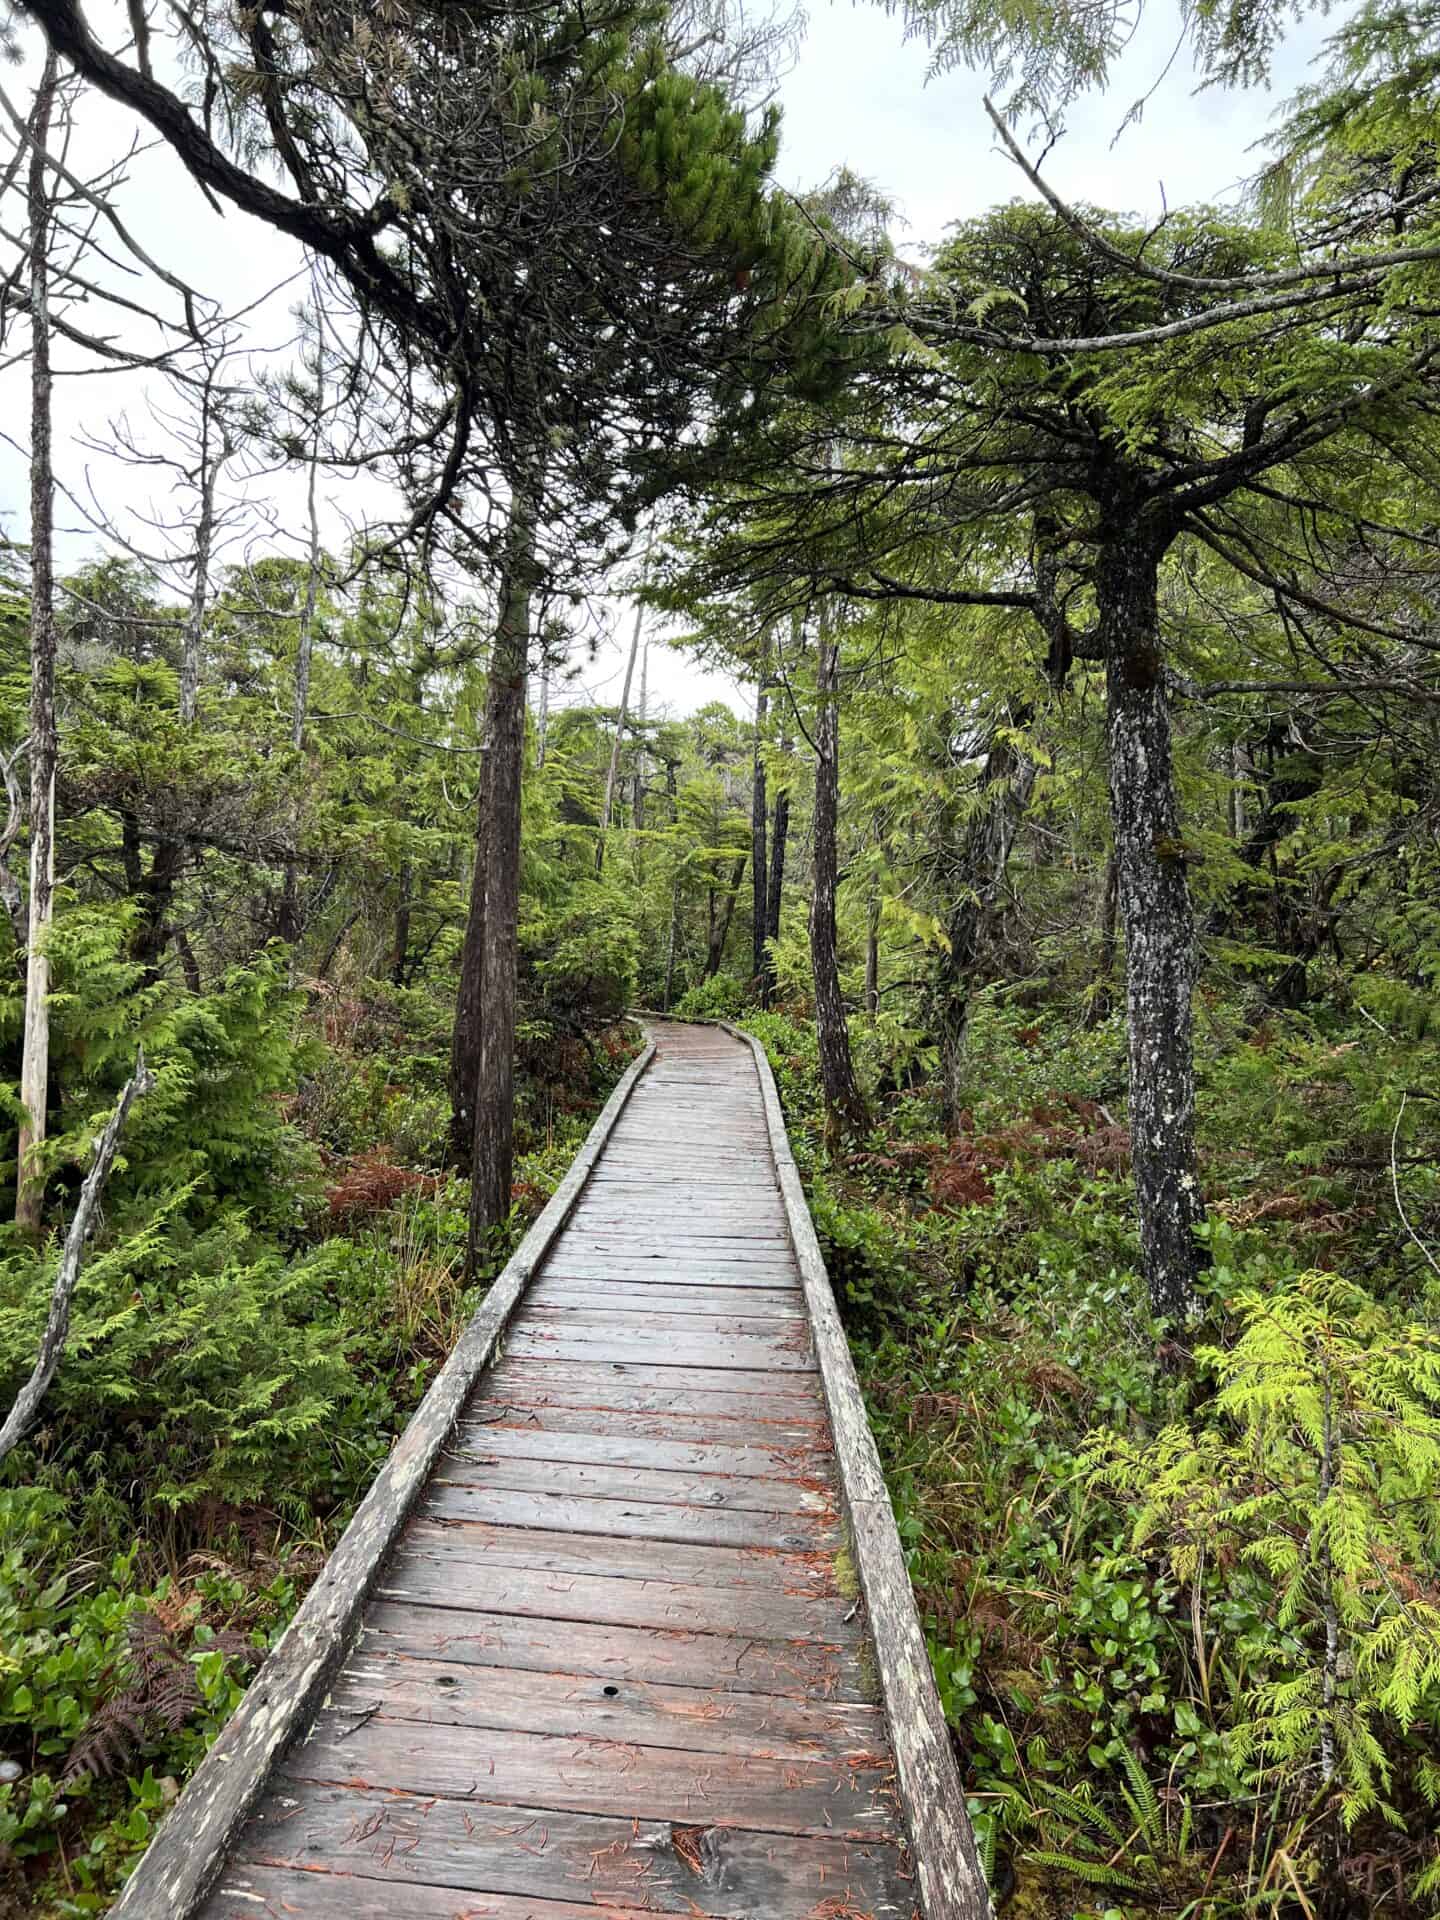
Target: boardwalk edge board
(189, 1852)
(942, 1842)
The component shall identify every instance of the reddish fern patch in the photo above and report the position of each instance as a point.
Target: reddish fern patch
(369, 1183)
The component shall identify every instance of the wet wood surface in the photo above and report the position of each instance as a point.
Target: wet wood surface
(615, 1661)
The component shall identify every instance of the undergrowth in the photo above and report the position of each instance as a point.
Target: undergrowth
(251, 1332)
(1180, 1598)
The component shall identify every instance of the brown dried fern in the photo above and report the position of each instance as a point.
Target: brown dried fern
(160, 1696)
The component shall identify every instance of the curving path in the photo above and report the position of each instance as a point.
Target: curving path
(614, 1655)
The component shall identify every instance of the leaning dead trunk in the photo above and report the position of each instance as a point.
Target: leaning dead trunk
(1159, 923)
(492, 1164)
(844, 1107)
(975, 879)
(44, 738)
(57, 1325)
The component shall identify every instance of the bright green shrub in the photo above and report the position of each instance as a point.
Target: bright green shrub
(1317, 1465)
(197, 1364)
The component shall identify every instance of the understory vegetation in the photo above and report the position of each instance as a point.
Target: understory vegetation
(1185, 1621)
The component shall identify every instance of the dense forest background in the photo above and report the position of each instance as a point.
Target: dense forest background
(1076, 857)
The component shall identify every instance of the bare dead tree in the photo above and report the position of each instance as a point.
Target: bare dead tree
(613, 770)
(44, 732)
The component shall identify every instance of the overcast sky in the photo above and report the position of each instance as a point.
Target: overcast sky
(857, 97)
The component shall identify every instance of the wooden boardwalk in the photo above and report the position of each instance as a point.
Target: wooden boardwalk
(615, 1656)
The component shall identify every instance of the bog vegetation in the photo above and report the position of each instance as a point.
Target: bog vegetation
(1076, 857)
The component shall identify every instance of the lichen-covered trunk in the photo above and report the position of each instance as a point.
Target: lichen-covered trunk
(974, 878)
(44, 738)
(844, 1107)
(1159, 923)
(492, 1163)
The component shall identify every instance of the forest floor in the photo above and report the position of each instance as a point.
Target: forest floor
(1115, 1563)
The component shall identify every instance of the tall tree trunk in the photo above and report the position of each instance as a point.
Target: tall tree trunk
(215, 450)
(400, 948)
(872, 957)
(492, 1165)
(844, 1107)
(465, 1036)
(614, 767)
(156, 898)
(44, 737)
(1156, 912)
(779, 844)
(779, 837)
(669, 994)
(289, 927)
(975, 881)
(674, 939)
(759, 875)
(642, 757)
(720, 922)
(542, 717)
(1098, 1006)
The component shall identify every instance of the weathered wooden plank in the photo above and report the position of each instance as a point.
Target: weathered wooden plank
(475, 1542)
(476, 1441)
(770, 1303)
(249, 1892)
(663, 1867)
(655, 1321)
(666, 1486)
(689, 1240)
(768, 1354)
(500, 1766)
(800, 1433)
(185, 1855)
(951, 1880)
(429, 1581)
(718, 1662)
(691, 1388)
(394, 1687)
(635, 1519)
(680, 1270)
(424, 1580)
